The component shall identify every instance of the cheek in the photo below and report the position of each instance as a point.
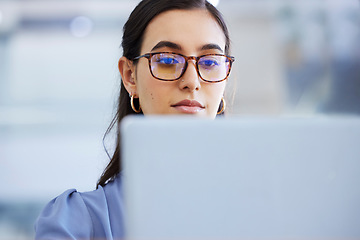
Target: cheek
(143, 81)
(152, 93)
(214, 95)
(150, 90)
(216, 92)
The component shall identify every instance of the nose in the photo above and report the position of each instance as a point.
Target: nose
(190, 79)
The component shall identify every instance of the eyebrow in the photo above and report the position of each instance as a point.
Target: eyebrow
(211, 46)
(161, 44)
(167, 44)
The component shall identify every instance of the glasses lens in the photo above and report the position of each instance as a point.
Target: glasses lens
(167, 66)
(214, 67)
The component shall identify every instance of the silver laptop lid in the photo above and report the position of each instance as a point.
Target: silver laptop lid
(241, 178)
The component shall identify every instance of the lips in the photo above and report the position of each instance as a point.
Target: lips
(188, 106)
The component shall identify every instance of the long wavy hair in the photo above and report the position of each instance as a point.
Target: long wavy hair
(133, 33)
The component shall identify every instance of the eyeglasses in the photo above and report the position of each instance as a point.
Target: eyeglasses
(168, 66)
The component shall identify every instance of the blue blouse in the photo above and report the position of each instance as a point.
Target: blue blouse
(89, 215)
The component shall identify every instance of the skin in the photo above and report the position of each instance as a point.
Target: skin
(189, 32)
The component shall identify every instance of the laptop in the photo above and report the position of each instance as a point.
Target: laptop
(241, 178)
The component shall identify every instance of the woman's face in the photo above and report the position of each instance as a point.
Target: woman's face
(191, 33)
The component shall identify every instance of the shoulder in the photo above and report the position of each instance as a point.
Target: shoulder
(82, 215)
(66, 216)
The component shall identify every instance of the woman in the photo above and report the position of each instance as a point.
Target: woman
(175, 61)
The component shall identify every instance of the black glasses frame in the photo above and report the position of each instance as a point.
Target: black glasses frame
(187, 58)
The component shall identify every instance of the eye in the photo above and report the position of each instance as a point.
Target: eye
(167, 60)
(209, 62)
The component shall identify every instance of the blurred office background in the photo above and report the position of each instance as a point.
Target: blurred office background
(59, 83)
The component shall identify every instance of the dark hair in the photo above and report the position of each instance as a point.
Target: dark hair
(133, 33)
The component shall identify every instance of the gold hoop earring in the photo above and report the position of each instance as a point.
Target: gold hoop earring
(133, 106)
(223, 106)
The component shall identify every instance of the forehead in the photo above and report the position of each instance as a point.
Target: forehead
(191, 29)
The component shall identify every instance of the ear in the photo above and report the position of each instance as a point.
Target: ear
(127, 72)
